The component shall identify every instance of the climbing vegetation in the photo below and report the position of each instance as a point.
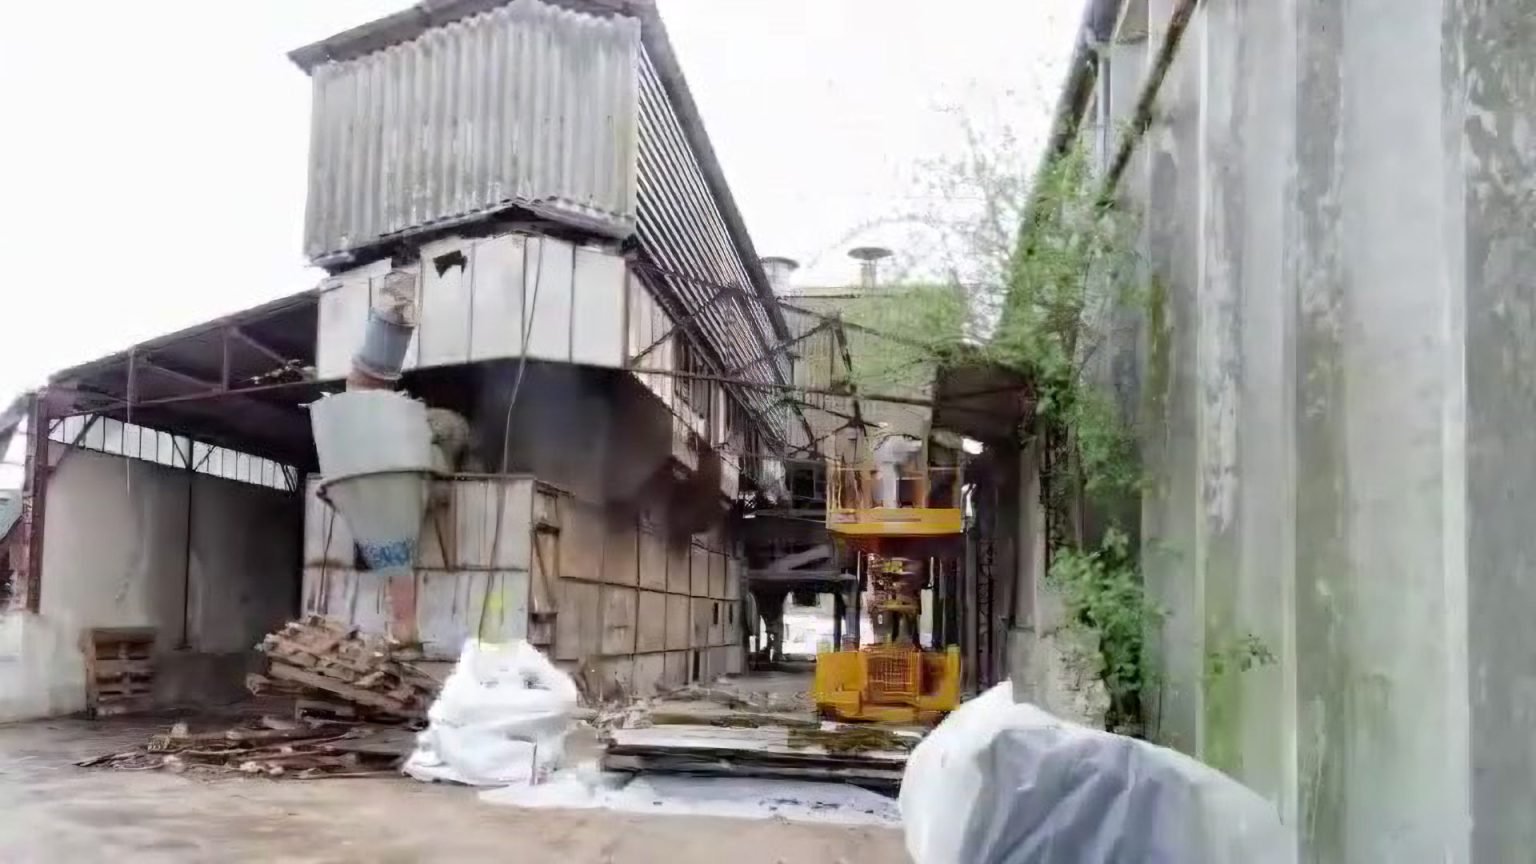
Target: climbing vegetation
(1052, 305)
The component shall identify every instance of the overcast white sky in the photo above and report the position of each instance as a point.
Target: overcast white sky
(152, 165)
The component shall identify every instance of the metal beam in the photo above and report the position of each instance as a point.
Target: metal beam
(788, 388)
(259, 347)
(780, 348)
(185, 377)
(685, 323)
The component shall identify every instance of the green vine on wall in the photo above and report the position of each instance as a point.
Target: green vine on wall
(1047, 306)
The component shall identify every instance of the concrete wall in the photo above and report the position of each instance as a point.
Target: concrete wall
(116, 553)
(1338, 389)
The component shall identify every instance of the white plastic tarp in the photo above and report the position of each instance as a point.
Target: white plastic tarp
(1000, 782)
(501, 718)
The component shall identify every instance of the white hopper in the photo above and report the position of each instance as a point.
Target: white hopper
(375, 450)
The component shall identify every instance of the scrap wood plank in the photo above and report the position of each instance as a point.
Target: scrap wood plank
(776, 741)
(883, 777)
(352, 694)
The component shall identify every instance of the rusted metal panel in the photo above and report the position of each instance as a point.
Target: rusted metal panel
(699, 575)
(578, 626)
(526, 104)
(619, 607)
(651, 622)
(582, 541)
(650, 673)
(678, 558)
(733, 569)
(621, 550)
(679, 621)
(675, 669)
(700, 610)
(716, 575)
(653, 560)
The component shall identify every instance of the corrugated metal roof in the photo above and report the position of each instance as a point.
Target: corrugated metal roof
(681, 228)
(687, 223)
(525, 104)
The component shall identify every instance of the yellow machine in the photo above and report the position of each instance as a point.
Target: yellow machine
(897, 513)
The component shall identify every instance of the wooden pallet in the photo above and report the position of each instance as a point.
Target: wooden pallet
(119, 669)
(325, 661)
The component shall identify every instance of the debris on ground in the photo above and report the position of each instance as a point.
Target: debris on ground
(861, 755)
(585, 787)
(720, 704)
(271, 747)
(332, 670)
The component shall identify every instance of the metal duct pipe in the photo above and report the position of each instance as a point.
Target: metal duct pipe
(391, 321)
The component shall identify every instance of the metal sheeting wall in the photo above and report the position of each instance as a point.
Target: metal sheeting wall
(526, 104)
(681, 230)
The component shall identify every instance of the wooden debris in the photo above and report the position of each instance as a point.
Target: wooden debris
(762, 752)
(337, 672)
(305, 751)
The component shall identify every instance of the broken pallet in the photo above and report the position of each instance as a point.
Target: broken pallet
(329, 665)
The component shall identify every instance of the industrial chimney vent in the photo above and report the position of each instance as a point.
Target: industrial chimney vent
(869, 258)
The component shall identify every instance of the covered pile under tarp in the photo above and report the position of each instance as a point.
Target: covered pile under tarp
(1005, 783)
(502, 718)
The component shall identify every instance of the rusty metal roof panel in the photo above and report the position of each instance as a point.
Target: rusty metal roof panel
(526, 104)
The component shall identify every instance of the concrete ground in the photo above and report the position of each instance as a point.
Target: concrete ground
(56, 812)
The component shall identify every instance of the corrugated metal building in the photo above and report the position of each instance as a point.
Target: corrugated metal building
(543, 171)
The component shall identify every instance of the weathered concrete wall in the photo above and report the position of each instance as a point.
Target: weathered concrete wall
(1338, 387)
(116, 554)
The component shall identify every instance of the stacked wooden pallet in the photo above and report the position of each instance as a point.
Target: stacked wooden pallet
(862, 755)
(333, 669)
(119, 675)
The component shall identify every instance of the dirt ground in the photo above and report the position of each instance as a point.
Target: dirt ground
(55, 812)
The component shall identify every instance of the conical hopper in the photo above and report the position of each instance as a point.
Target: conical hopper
(375, 452)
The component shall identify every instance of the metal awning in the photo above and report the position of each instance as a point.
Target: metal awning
(239, 381)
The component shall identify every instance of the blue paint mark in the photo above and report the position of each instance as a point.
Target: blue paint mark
(396, 553)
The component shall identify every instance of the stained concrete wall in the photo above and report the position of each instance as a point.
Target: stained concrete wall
(1337, 386)
(116, 553)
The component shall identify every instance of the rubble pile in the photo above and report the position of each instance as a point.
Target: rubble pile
(331, 670)
(271, 747)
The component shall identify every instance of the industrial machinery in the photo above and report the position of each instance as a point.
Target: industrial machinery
(898, 514)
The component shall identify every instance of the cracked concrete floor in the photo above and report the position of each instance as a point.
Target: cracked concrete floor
(55, 812)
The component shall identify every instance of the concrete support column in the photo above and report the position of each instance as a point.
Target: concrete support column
(1490, 68)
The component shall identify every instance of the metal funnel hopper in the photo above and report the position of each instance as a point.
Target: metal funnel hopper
(375, 451)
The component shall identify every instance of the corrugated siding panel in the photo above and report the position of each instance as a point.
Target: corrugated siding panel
(526, 104)
(681, 230)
